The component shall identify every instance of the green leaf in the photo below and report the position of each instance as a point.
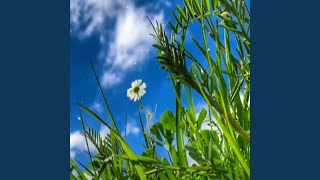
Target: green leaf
(194, 154)
(182, 13)
(162, 176)
(155, 130)
(85, 169)
(210, 149)
(236, 89)
(208, 5)
(103, 167)
(170, 174)
(173, 27)
(80, 173)
(187, 3)
(202, 116)
(205, 134)
(168, 121)
(174, 156)
(197, 157)
(158, 47)
(178, 19)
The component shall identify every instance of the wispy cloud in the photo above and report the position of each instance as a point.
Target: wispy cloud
(96, 106)
(131, 128)
(132, 39)
(123, 30)
(89, 16)
(111, 77)
(168, 3)
(78, 143)
(104, 131)
(72, 154)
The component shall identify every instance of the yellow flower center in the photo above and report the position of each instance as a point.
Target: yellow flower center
(136, 89)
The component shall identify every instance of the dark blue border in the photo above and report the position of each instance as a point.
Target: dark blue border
(34, 90)
(285, 89)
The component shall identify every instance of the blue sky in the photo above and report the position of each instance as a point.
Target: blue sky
(115, 36)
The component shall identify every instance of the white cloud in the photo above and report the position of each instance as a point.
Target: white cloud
(131, 128)
(96, 106)
(111, 78)
(72, 154)
(132, 39)
(78, 143)
(123, 45)
(168, 3)
(104, 131)
(77, 140)
(89, 16)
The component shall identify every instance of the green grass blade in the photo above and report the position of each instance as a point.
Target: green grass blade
(80, 173)
(124, 145)
(104, 99)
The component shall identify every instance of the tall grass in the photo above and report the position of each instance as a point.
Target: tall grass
(221, 76)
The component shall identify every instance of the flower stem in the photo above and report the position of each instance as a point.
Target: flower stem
(142, 127)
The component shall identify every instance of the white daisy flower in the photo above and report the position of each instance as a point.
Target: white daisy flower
(137, 90)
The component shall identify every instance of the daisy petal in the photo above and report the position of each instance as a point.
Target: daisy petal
(139, 82)
(131, 96)
(133, 83)
(143, 86)
(128, 92)
(142, 92)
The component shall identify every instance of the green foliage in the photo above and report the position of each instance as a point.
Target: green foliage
(167, 120)
(221, 76)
